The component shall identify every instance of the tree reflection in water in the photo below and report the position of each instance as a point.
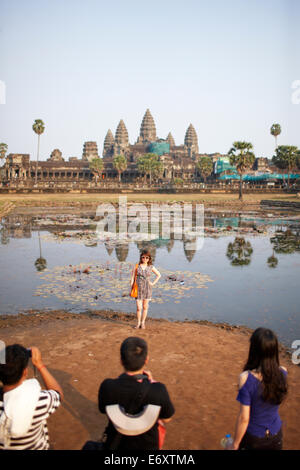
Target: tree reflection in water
(286, 242)
(40, 263)
(239, 252)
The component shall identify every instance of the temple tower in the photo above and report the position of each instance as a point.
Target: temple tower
(56, 156)
(90, 151)
(171, 140)
(191, 141)
(148, 129)
(108, 143)
(121, 138)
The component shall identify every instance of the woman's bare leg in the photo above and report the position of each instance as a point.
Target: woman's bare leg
(145, 312)
(138, 312)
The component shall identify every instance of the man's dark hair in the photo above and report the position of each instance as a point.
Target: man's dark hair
(16, 360)
(133, 353)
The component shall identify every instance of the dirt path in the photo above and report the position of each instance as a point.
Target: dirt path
(199, 363)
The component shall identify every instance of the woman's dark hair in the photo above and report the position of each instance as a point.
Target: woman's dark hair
(263, 355)
(16, 360)
(134, 352)
(146, 253)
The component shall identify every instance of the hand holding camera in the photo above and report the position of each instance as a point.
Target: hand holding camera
(36, 357)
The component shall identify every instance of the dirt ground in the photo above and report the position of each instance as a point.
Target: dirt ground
(198, 362)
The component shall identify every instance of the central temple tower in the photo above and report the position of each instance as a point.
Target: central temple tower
(148, 129)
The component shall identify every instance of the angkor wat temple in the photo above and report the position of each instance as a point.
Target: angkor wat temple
(178, 160)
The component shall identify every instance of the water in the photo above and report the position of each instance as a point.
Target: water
(257, 286)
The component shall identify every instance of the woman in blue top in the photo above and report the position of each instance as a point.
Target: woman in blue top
(262, 387)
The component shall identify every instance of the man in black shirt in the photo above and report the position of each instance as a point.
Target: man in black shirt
(133, 391)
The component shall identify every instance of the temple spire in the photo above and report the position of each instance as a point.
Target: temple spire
(171, 140)
(108, 142)
(191, 140)
(148, 129)
(121, 137)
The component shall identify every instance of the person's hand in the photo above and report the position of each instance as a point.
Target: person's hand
(232, 446)
(36, 357)
(151, 283)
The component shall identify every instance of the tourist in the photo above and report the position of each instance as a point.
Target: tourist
(262, 387)
(135, 392)
(24, 406)
(141, 277)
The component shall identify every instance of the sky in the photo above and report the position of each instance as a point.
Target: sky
(227, 67)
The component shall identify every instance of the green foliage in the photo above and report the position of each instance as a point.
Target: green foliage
(205, 166)
(241, 157)
(3, 150)
(178, 181)
(275, 130)
(286, 156)
(96, 166)
(150, 164)
(120, 164)
(38, 126)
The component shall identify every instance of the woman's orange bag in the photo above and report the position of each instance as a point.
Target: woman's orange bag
(134, 289)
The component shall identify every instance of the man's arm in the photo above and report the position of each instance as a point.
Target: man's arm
(48, 379)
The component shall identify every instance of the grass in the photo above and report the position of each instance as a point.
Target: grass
(33, 199)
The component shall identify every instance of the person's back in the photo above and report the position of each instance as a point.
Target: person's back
(24, 406)
(262, 388)
(263, 414)
(133, 391)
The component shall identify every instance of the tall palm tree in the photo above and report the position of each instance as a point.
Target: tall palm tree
(120, 164)
(275, 131)
(286, 157)
(96, 167)
(242, 158)
(205, 166)
(38, 127)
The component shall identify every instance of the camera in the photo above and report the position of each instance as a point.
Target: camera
(29, 352)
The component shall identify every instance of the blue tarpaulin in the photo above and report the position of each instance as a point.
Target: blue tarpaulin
(263, 177)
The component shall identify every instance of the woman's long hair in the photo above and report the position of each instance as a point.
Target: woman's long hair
(146, 253)
(264, 356)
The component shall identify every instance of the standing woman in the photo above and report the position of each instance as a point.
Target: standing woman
(142, 273)
(262, 387)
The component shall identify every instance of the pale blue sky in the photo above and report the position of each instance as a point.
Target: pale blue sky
(227, 67)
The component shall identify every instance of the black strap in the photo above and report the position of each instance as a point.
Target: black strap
(137, 401)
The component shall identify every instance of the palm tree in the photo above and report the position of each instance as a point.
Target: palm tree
(120, 164)
(150, 164)
(3, 150)
(239, 252)
(275, 131)
(286, 157)
(243, 160)
(38, 127)
(96, 167)
(205, 166)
